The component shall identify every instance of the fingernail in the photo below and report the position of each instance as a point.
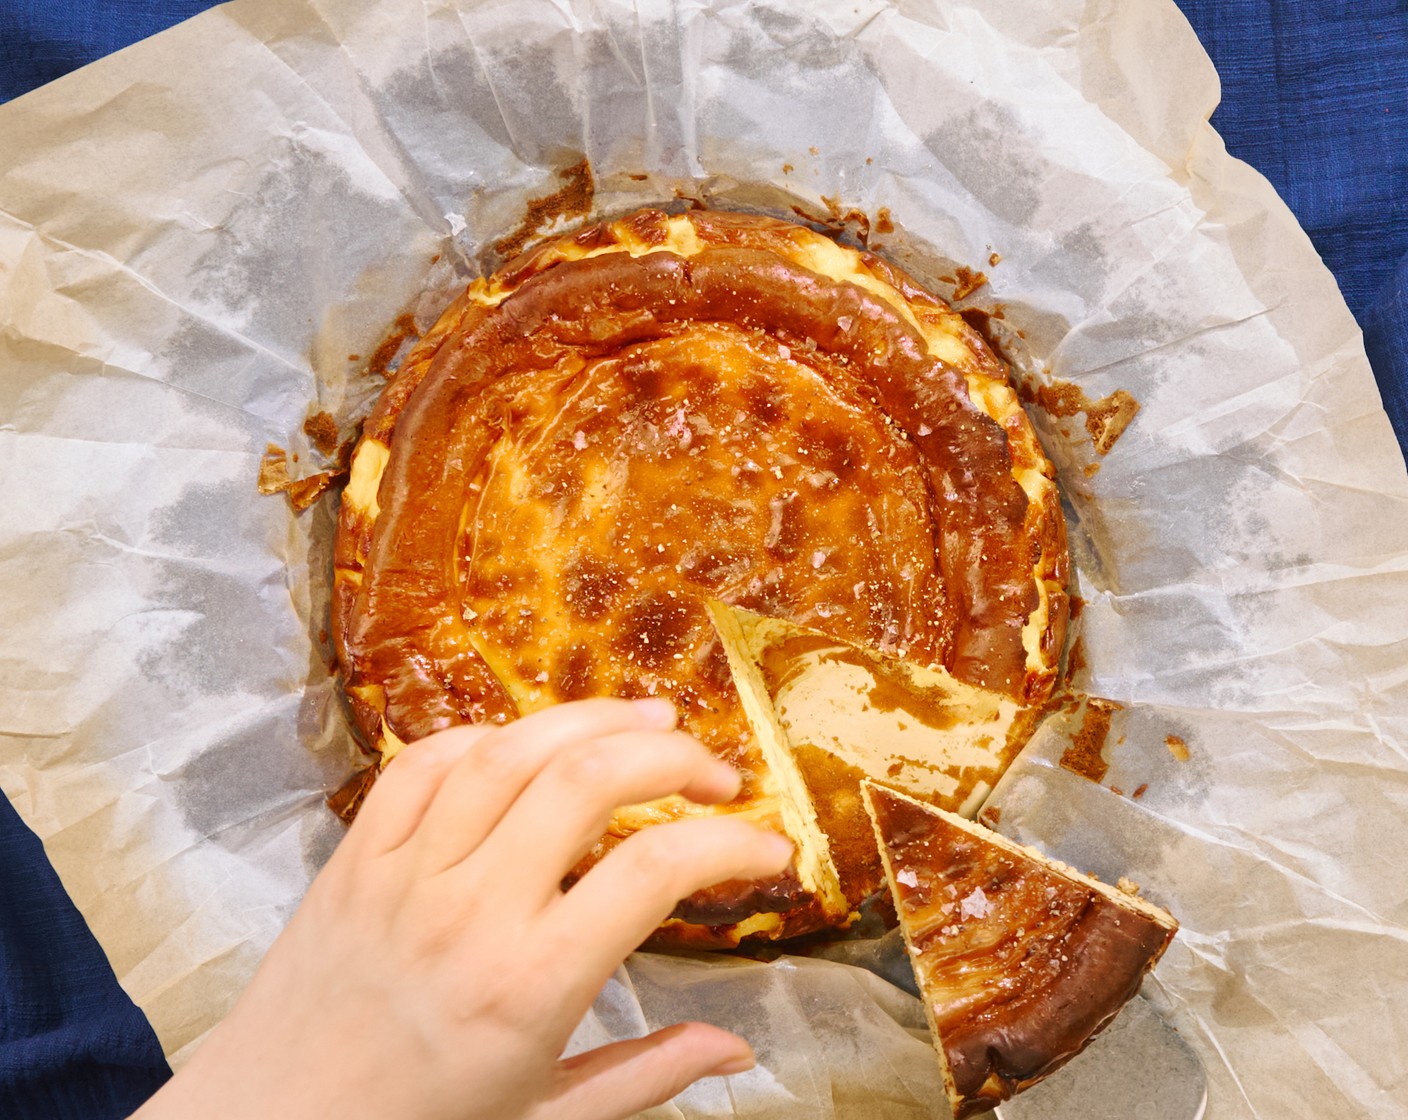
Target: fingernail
(656, 711)
(735, 1065)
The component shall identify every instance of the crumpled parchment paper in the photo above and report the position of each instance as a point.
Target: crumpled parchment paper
(198, 233)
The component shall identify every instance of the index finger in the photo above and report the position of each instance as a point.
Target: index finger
(616, 905)
(496, 770)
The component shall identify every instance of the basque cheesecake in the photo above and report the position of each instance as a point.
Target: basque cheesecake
(604, 452)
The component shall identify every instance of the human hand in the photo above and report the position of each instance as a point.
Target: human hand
(436, 970)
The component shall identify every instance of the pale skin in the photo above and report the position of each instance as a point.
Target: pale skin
(436, 969)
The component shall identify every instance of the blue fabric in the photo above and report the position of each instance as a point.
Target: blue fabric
(1314, 95)
(1385, 326)
(41, 40)
(72, 1045)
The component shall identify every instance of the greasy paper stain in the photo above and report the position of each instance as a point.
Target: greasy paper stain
(1177, 747)
(980, 319)
(1105, 419)
(223, 616)
(1086, 754)
(695, 203)
(571, 200)
(965, 142)
(303, 185)
(840, 219)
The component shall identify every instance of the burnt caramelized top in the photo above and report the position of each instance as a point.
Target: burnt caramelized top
(588, 447)
(898, 430)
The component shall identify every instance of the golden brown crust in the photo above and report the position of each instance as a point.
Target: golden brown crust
(625, 421)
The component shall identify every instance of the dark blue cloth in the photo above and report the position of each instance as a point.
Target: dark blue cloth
(1314, 95)
(1385, 326)
(72, 1045)
(41, 40)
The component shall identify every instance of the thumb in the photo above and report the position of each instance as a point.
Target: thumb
(619, 1080)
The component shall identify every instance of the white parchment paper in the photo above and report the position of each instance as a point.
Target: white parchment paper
(198, 232)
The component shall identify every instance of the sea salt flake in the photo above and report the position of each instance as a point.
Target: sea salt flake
(976, 905)
(579, 440)
(907, 877)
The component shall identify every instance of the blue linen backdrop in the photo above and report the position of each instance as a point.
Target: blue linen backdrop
(1314, 95)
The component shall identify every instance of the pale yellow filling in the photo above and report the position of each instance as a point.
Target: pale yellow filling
(368, 465)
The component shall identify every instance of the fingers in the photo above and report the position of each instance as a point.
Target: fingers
(617, 903)
(403, 791)
(480, 789)
(566, 807)
(625, 1078)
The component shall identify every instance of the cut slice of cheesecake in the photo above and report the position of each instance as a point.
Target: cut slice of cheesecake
(1020, 960)
(850, 713)
(782, 800)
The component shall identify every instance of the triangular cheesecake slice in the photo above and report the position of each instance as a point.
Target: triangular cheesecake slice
(782, 800)
(1020, 960)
